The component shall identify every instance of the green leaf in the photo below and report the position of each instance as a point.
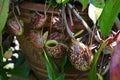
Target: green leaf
(92, 73)
(49, 72)
(64, 2)
(108, 16)
(1, 77)
(20, 71)
(51, 66)
(4, 7)
(21, 60)
(84, 4)
(60, 77)
(1, 56)
(98, 3)
(62, 74)
(99, 76)
(52, 3)
(53, 73)
(63, 63)
(3, 74)
(0, 38)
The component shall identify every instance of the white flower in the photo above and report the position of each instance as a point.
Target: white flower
(9, 66)
(4, 59)
(9, 59)
(17, 45)
(8, 75)
(11, 48)
(15, 55)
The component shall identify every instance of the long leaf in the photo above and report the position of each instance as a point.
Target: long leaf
(49, 72)
(0, 77)
(20, 60)
(99, 76)
(4, 7)
(98, 3)
(1, 56)
(50, 65)
(108, 16)
(63, 63)
(62, 74)
(20, 71)
(84, 4)
(52, 3)
(92, 73)
(53, 73)
(60, 77)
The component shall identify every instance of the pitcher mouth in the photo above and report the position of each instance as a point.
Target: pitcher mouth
(51, 43)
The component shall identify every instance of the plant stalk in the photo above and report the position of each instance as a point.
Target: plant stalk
(83, 21)
(65, 21)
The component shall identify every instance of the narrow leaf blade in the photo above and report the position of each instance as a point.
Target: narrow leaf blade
(92, 73)
(98, 3)
(99, 76)
(108, 16)
(1, 56)
(4, 7)
(20, 71)
(84, 4)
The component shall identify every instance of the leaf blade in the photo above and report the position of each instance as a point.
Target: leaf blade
(84, 4)
(98, 3)
(1, 56)
(92, 73)
(20, 71)
(108, 16)
(4, 7)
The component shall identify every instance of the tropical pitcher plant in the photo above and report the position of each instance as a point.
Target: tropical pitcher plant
(60, 41)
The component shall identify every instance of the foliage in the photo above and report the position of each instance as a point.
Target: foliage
(84, 4)
(1, 56)
(110, 11)
(98, 3)
(52, 69)
(4, 7)
(99, 76)
(92, 73)
(108, 16)
(19, 70)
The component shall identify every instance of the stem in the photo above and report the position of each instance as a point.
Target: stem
(39, 13)
(117, 23)
(51, 25)
(45, 8)
(70, 15)
(101, 63)
(78, 33)
(16, 17)
(98, 35)
(94, 27)
(107, 68)
(83, 21)
(65, 21)
(80, 18)
(18, 10)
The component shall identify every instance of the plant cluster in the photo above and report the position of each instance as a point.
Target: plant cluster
(59, 41)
